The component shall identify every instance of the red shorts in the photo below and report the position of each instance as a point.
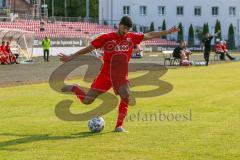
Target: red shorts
(103, 83)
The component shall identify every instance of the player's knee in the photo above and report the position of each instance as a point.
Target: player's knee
(88, 101)
(125, 95)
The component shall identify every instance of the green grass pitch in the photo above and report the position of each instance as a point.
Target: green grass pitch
(29, 129)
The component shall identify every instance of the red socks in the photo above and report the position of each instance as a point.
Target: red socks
(79, 93)
(122, 112)
(123, 106)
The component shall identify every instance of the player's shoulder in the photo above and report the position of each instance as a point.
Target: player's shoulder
(107, 35)
(135, 33)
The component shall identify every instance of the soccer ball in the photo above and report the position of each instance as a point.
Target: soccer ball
(96, 124)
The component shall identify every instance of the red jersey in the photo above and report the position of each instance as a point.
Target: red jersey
(224, 47)
(113, 43)
(3, 49)
(218, 48)
(7, 49)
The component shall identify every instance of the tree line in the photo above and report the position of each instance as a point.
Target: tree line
(199, 33)
(77, 8)
(74, 8)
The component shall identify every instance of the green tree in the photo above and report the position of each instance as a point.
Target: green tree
(191, 36)
(217, 29)
(75, 8)
(180, 33)
(231, 38)
(205, 29)
(164, 28)
(152, 27)
(199, 33)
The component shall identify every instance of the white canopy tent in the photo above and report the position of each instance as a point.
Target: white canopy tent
(21, 42)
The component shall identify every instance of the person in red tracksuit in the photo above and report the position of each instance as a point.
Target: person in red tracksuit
(219, 50)
(3, 55)
(225, 50)
(118, 47)
(12, 58)
(3, 58)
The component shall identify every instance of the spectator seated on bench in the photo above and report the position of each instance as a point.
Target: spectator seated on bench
(219, 50)
(6, 56)
(3, 58)
(182, 53)
(12, 57)
(225, 50)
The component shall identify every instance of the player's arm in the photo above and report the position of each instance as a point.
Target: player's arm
(152, 35)
(65, 58)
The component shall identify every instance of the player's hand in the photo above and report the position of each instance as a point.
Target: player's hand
(174, 29)
(64, 58)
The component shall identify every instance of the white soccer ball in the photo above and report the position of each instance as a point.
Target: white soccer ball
(96, 124)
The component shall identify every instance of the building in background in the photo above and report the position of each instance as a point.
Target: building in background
(195, 12)
(21, 8)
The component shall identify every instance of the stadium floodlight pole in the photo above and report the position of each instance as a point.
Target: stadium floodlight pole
(14, 6)
(111, 12)
(65, 7)
(238, 34)
(87, 9)
(52, 8)
(44, 9)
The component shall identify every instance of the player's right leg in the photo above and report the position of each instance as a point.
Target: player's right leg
(100, 85)
(88, 98)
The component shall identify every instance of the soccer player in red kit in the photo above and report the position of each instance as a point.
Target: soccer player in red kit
(117, 47)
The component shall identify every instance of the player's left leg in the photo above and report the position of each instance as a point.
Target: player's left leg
(123, 92)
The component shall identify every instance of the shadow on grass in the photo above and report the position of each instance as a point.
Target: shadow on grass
(42, 137)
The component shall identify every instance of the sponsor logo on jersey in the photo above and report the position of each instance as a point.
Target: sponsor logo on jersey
(123, 46)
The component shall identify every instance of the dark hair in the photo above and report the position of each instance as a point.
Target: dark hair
(126, 21)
